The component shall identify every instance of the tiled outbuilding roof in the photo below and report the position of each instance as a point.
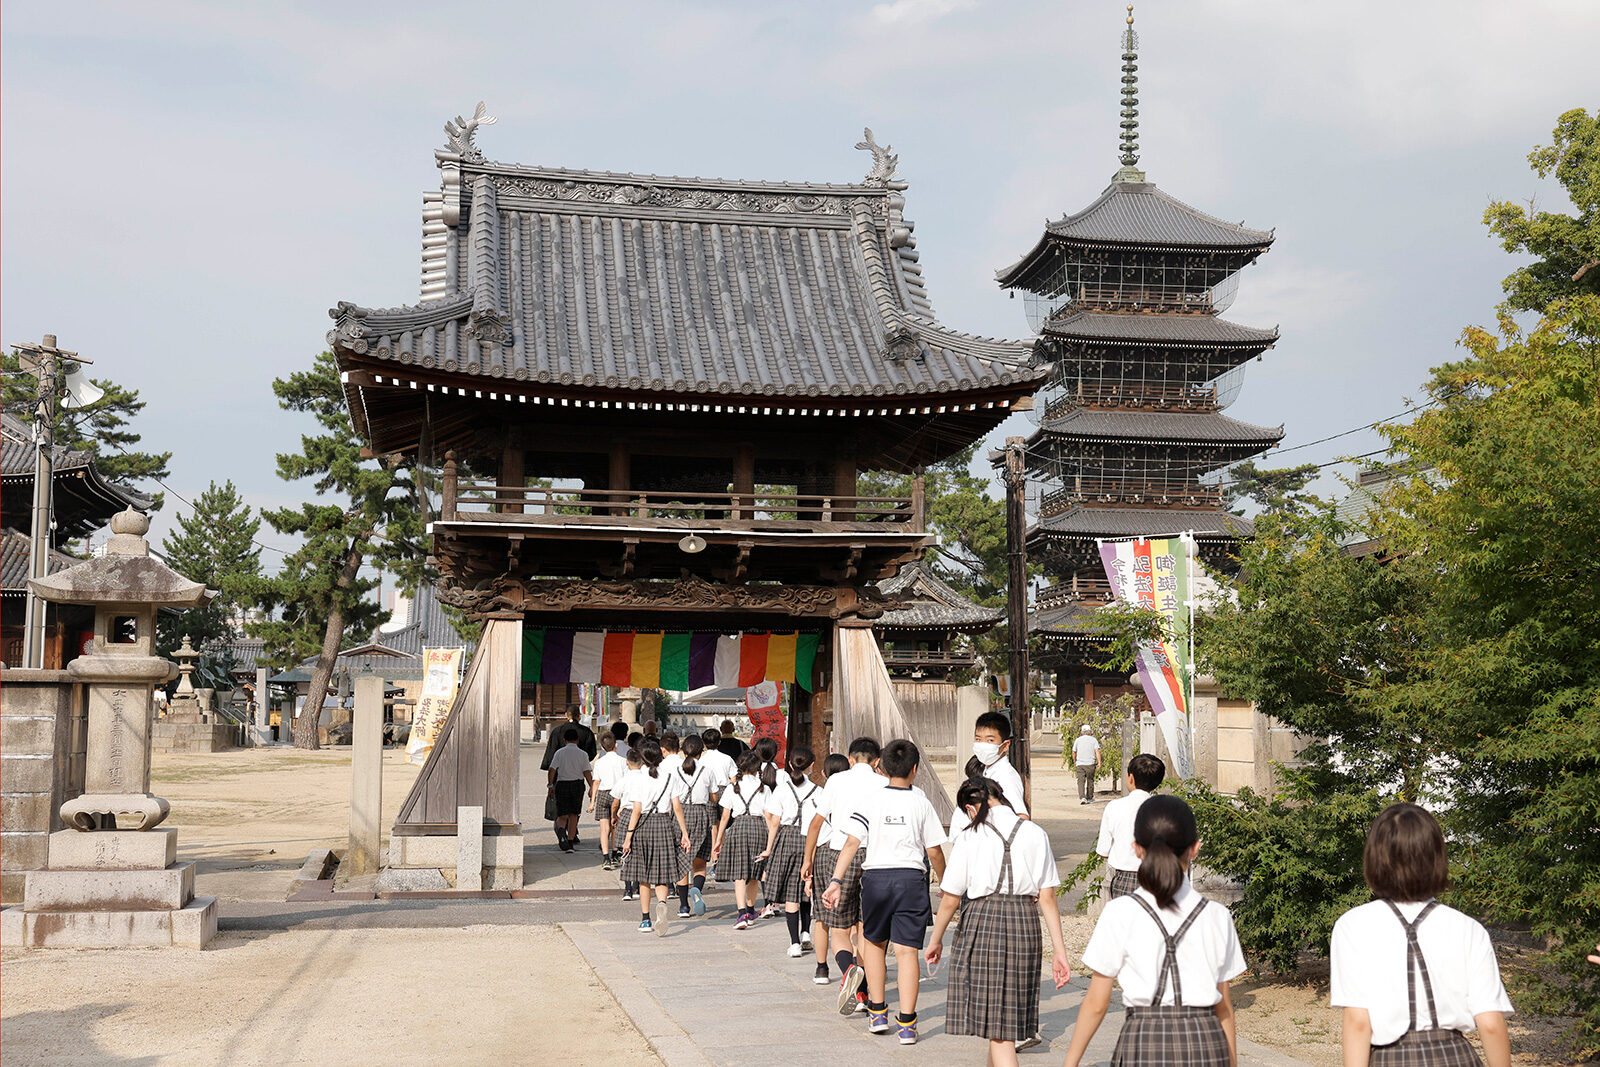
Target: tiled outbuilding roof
(14, 562)
(84, 499)
(932, 604)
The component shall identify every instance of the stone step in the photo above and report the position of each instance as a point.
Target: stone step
(113, 850)
(188, 927)
(163, 890)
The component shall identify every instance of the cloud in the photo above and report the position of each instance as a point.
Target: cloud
(906, 12)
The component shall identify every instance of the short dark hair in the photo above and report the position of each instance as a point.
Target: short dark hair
(1404, 858)
(669, 740)
(573, 711)
(608, 741)
(900, 758)
(711, 736)
(998, 721)
(619, 730)
(865, 746)
(836, 762)
(569, 735)
(634, 737)
(1148, 771)
(727, 726)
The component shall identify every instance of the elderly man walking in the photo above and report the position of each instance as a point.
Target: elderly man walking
(1086, 754)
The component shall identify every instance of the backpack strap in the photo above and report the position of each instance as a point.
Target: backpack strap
(1169, 964)
(1414, 964)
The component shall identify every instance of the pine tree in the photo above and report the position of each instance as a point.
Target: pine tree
(215, 545)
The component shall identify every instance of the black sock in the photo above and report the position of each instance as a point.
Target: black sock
(805, 914)
(631, 887)
(793, 919)
(844, 959)
(880, 1006)
(683, 895)
(700, 882)
(903, 1017)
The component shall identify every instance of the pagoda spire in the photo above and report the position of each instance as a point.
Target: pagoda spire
(1130, 105)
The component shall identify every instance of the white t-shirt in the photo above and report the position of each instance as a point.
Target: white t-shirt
(896, 825)
(700, 785)
(671, 761)
(1127, 946)
(794, 803)
(722, 765)
(1086, 750)
(570, 763)
(1003, 774)
(608, 771)
(655, 794)
(627, 789)
(1369, 968)
(1116, 831)
(977, 853)
(749, 800)
(847, 792)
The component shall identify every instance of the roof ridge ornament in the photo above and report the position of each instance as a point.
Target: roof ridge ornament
(884, 161)
(1129, 137)
(461, 132)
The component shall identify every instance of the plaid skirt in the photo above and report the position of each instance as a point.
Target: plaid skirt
(848, 913)
(1427, 1048)
(1123, 883)
(602, 806)
(782, 884)
(744, 841)
(698, 820)
(994, 969)
(1171, 1037)
(656, 856)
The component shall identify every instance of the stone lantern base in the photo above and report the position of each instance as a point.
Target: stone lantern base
(111, 889)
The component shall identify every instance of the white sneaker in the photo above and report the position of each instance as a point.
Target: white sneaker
(661, 918)
(795, 951)
(805, 941)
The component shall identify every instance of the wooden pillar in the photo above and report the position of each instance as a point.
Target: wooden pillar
(919, 503)
(447, 488)
(744, 481)
(822, 699)
(844, 485)
(511, 476)
(620, 478)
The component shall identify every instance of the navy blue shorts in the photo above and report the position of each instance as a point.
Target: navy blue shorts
(895, 905)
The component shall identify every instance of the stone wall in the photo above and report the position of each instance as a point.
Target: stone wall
(1235, 746)
(43, 733)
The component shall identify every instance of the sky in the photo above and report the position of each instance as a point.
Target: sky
(186, 188)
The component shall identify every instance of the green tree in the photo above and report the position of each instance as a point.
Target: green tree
(321, 594)
(1567, 247)
(214, 544)
(101, 428)
(1269, 488)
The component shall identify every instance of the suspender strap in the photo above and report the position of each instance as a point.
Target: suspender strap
(799, 803)
(1414, 964)
(655, 805)
(1169, 964)
(1004, 881)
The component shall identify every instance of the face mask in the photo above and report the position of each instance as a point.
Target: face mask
(986, 751)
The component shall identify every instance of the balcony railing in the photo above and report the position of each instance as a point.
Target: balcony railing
(1076, 589)
(916, 657)
(1136, 396)
(1131, 491)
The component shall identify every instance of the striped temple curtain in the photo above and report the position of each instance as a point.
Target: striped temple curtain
(864, 705)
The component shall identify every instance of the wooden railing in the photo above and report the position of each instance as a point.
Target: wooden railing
(1131, 491)
(1074, 589)
(1139, 396)
(909, 656)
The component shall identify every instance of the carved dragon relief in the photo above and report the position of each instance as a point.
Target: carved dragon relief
(601, 192)
(689, 592)
(884, 161)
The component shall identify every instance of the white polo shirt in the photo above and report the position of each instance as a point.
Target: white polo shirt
(1127, 946)
(1116, 831)
(671, 761)
(792, 803)
(1369, 968)
(1003, 774)
(1085, 750)
(750, 799)
(570, 763)
(655, 794)
(608, 771)
(700, 784)
(896, 825)
(627, 789)
(847, 792)
(977, 853)
(722, 765)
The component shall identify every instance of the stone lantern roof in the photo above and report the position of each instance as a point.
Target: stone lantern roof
(126, 574)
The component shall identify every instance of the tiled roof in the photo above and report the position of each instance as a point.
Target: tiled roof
(665, 285)
(1139, 213)
(933, 604)
(14, 562)
(427, 626)
(1158, 427)
(1148, 522)
(1151, 328)
(85, 500)
(1067, 620)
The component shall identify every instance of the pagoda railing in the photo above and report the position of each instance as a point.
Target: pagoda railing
(488, 497)
(1077, 588)
(1119, 491)
(911, 657)
(1156, 396)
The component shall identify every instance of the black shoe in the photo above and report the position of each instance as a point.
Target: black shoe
(821, 977)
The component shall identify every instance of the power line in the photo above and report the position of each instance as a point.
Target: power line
(192, 507)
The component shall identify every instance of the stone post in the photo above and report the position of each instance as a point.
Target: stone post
(971, 701)
(261, 730)
(630, 698)
(366, 779)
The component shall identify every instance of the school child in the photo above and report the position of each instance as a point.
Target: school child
(721, 764)
(619, 730)
(622, 798)
(1145, 774)
(699, 813)
(991, 742)
(670, 759)
(899, 827)
(740, 833)
(845, 793)
(1413, 976)
(570, 776)
(607, 771)
(1003, 877)
(654, 848)
(1172, 951)
(790, 804)
(835, 763)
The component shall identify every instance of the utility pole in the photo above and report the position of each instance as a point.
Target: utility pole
(1017, 607)
(42, 360)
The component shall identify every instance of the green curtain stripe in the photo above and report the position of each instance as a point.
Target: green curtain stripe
(805, 660)
(675, 661)
(532, 653)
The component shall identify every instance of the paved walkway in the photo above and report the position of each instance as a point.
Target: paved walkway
(709, 994)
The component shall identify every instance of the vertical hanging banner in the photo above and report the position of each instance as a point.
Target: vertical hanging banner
(1157, 574)
(762, 702)
(441, 674)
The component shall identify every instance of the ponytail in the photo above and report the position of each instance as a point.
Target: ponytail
(1165, 829)
(692, 748)
(749, 763)
(980, 792)
(798, 763)
(769, 776)
(974, 768)
(650, 756)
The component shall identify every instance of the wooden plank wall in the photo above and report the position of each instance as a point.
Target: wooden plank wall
(930, 709)
(474, 762)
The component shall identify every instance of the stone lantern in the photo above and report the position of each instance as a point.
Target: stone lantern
(113, 880)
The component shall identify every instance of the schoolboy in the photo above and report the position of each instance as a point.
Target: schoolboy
(899, 827)
(570, 778)
(619, 730)
(1145, 775)
(991, 747)
(607, 771)
(720, 762)
(844, 794)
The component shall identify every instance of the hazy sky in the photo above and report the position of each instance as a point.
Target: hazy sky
(188, 187)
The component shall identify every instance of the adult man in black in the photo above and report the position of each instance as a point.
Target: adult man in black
(730, 745)
(585, 738)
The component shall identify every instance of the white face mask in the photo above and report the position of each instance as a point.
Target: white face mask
(986, 751)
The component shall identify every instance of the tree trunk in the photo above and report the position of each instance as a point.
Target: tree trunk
(305, 727)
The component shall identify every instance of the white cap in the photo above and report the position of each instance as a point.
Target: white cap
(1085, 728)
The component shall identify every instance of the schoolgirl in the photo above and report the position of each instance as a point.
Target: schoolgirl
(623, 795)
(767, 749)
(1003, 876)
(790, 805)
(740, 834)
(820, 829)
(608, 771)
(699, 813)
(1413, 976)
(1172, 951)
(654, 848)
(670, 759)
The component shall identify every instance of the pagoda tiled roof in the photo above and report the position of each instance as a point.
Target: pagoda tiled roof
(1067, 620)
(666, 285)
(1145, 328)
(1139, 213)
(931, 604)
(1157, 427)
(1206, 524)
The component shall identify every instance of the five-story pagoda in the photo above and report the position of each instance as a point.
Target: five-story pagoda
(1126, 296)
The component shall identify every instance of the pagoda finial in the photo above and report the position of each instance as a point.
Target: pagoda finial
(1130, 105)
